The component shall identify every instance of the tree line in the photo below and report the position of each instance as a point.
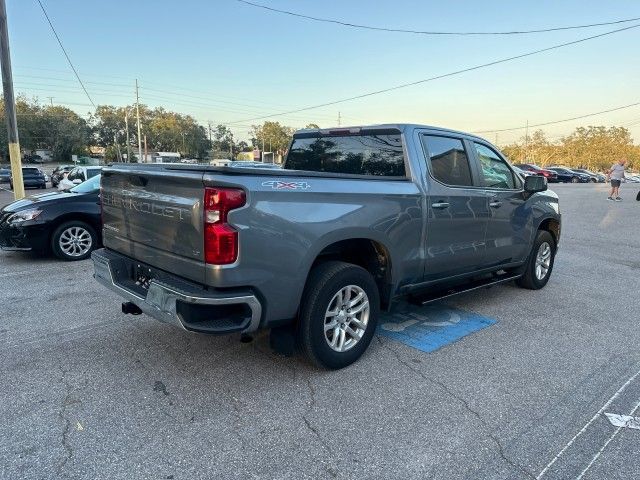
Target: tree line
(594, 148)
(66, 133)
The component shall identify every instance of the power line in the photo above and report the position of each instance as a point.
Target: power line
(65, 53)
(438, 77)
(560, 121)
(429, 32)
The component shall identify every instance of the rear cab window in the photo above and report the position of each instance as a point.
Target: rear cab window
(370, 152)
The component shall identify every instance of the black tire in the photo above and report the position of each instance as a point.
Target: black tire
(593, 180)
(529, 279)
(323, 284)
(79, 225)
(575, 179)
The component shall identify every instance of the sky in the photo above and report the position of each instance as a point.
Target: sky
(223, 61)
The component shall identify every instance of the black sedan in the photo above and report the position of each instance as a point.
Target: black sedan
(67, 223)
(31, 177)
(565, 175)
(595, 177)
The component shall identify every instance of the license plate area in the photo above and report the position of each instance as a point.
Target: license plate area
(141, 277)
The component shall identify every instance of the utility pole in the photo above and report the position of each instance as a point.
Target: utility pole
(145, 148)
(126, 124)
(138, 115)
(51, 100)
(339, 119)
(10, 106)
(231, 146)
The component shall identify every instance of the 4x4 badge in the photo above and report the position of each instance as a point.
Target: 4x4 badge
(280, 185)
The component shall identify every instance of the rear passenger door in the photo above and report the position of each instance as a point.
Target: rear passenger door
(507, 239)
(457, 210)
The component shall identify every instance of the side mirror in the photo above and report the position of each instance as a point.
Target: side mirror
(535, 183)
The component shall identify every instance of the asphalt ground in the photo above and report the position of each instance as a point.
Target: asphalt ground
(89, 393)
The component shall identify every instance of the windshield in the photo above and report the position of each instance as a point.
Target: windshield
(91, 185)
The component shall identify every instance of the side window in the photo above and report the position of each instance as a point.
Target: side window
(448, 160)
(495, 171)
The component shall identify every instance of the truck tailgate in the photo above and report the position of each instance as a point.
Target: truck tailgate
(155, 216)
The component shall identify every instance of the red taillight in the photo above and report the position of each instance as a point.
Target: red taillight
(220, 238)
(545, 173)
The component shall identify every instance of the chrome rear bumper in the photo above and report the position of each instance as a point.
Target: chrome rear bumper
(175, 300)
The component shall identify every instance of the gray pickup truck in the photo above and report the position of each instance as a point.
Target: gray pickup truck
(357, 219)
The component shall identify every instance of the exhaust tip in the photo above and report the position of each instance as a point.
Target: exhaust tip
(130, 308)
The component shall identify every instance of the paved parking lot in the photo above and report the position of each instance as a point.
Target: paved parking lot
(90, 393)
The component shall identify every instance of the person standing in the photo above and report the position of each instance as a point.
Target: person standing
(616, 174)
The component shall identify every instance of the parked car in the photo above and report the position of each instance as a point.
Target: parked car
(5, 175)
(67, 223)
(59, 173)
(566, 175)
(595, 177)
(32, 177)
(77, 175)
(358, 218)
(35, 158)
(632, 177)
(550, 175)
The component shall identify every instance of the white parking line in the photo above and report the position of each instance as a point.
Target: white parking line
(613, 435)
(587, 425)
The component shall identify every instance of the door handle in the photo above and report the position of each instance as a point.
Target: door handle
(495, 204)
(440, 205)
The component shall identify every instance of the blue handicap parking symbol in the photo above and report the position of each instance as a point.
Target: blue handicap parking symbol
(430, 327)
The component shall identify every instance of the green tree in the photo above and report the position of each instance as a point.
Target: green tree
(271, 136)
(55, 128)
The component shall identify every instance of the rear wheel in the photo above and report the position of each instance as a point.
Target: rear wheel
(540, 263)
(338, 315)
(574, 180)
(73, 241)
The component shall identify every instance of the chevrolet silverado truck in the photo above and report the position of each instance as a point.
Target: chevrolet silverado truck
(357, 219)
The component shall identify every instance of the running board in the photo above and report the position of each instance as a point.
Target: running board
(436, 295)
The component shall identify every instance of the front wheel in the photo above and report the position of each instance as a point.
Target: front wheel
(73, 240)
(574, 180)
(338, 315)
(540, 263)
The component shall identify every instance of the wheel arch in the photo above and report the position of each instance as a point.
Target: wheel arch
(551, 225)
(366, 251)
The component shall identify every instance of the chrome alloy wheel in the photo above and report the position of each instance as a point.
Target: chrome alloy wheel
(543, 260)
(75, 241)
(346, 318)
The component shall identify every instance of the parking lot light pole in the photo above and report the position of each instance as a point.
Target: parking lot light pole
(10, 106)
